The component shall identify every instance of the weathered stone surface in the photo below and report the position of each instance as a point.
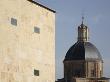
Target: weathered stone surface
(21, 49)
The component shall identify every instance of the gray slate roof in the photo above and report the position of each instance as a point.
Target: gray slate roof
(83, 51)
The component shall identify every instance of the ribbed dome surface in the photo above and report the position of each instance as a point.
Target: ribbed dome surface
(83, 51)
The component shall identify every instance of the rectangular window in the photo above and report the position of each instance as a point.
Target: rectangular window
(36, 72)
(14, 21)
(36, 30)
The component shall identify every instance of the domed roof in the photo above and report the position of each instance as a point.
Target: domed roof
(83, 51)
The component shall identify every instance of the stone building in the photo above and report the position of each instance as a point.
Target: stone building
(27, 42)
(83, 62)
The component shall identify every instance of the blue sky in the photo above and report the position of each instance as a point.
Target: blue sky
(68, 17)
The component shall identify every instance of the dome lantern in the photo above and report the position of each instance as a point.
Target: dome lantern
(83, 35)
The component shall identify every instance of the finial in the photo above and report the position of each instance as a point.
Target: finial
(82, 18)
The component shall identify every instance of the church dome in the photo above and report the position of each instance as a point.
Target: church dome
(83, 51)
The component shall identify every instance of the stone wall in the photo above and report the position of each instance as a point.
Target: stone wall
(22, 49)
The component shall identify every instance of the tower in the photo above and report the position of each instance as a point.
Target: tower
(83, 61)
(27, 42)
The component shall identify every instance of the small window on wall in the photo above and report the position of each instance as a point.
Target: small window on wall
(37, 30)
(36, 72)
(14, 21)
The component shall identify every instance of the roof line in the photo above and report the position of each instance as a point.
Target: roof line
(32, 1)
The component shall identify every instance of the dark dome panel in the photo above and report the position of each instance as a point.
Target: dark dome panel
(76, 52)
(83, 51)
